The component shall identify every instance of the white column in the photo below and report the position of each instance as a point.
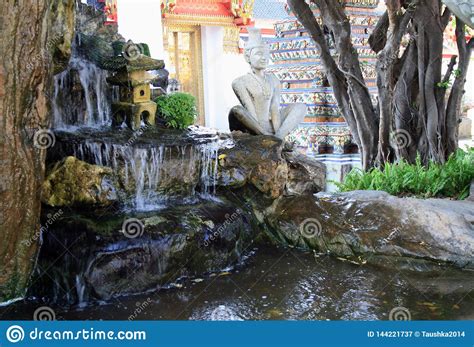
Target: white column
(219, 70)
(140, 21)
(211, 39)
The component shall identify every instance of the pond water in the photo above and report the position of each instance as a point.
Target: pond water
(288, 284)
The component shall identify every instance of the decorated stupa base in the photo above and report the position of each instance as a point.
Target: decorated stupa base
(298, 66)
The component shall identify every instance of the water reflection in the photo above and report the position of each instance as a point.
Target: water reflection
(288, 284)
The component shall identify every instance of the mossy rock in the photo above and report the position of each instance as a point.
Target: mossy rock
(72, 182)
(162, 247)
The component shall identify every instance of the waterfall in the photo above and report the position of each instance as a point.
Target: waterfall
(82, 95)
(115, 93)
(209, 162)
(59, 84)
(153, 175)
(80, 289)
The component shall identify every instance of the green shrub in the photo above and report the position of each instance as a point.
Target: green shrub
(451, 179)
(177, 109)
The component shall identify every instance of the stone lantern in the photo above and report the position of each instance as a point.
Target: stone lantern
(133, 79)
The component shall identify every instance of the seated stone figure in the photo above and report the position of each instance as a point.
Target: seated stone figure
(259, 95)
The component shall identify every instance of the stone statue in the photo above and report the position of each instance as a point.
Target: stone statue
(259, 95)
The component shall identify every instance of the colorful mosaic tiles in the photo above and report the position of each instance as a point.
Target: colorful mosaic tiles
(299, 43)
(323, 137)
(298, 67)
(357, 18)
(313, 73)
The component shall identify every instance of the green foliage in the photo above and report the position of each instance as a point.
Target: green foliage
(444, 85)
(177, 109)
(451, 179)
(457, 72)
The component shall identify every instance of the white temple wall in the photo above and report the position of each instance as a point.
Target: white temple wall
(219, 70)
(140, 21)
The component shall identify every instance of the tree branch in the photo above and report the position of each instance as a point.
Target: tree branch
(449, 71)
(470, 44)
(378, 38)
(386, 77)
(335, 19)
(453, 108)
(336, 78)
(445, 18)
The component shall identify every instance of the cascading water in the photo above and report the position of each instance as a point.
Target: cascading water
(149, 174)
(153, 175)
(209, 164)
(82, 96)
(80, 290)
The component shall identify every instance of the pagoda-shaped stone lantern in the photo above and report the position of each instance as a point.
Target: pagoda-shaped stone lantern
(132, 77)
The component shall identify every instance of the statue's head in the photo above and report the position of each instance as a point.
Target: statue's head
(256, 51)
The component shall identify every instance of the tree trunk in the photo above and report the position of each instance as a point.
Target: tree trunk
(405, 114)
(413, 117)
(386, 79)
(345, 76)
(453, 109)
(335, 19)
(26, 47)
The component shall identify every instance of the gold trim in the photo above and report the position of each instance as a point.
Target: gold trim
(231, 39)
(183, 20)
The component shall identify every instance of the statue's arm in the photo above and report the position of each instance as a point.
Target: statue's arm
(275, 103)
(245, 98)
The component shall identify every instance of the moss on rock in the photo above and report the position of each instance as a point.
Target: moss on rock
(74, 182)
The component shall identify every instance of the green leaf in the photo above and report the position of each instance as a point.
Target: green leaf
(178, 109)
(452, 179)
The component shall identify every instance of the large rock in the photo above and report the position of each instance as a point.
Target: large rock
(306, 175)
(90, 258)
(471, 192)
(261, 162)
(73, 182)
(172, 165)
(61, 25)
(375, 227)
(35, 40)
(184, 240)
(255, 160)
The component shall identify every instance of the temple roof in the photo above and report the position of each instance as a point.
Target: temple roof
(208, 12)
(200, 7)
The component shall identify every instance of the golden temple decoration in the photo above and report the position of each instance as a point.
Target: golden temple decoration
(244, 10)
(183, 43)
(208, 12)
(235, 5)
(167, 6)
(231, 39)
(186, 17)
